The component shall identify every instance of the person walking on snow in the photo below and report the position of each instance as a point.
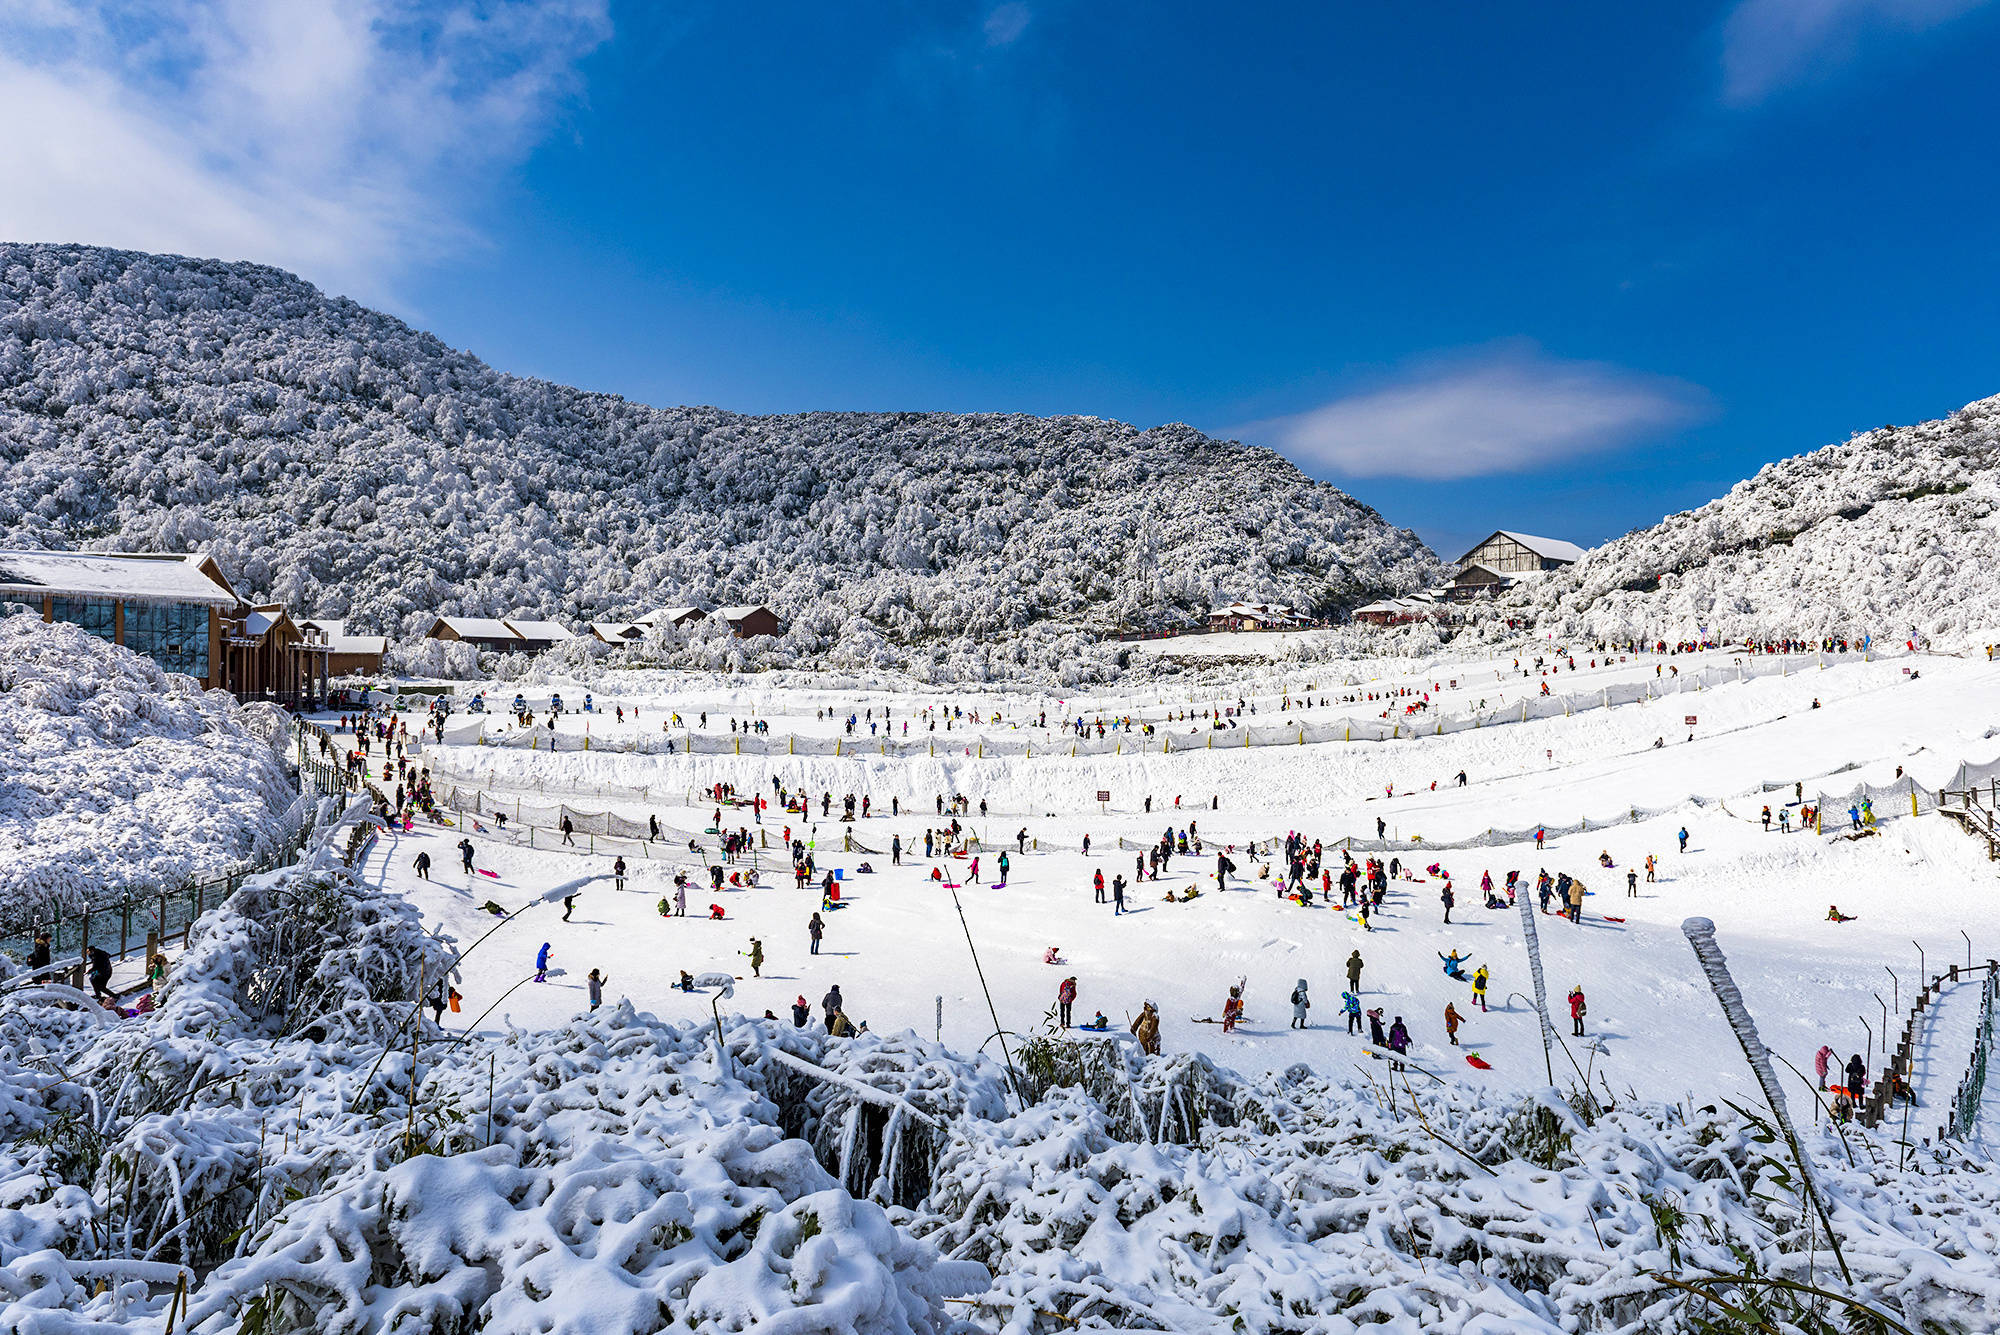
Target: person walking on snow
(465, 854)
(1577, 1009)
(1447, 899)
(1354, 972)
(423, 866)
(1452, 1020)
(618, 874)
(542, 963)
(1857, 1077)
(1301, 1003)
(596, 981)
(1631, 885)
(1097, 883)
(1479, 980)
(756, 953)
(831, 1004)
(1350, 1006)
(1684, 838)
(1065, 999)
(1821, 1060)
(816, 928)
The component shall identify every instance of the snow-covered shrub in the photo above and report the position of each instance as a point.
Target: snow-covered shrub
(120, 777)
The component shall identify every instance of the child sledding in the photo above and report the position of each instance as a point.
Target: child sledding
(1833, 914)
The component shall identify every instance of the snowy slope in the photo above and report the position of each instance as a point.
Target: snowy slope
(1895, 530)
(115, 776)
(290, 1133)
(338, 460)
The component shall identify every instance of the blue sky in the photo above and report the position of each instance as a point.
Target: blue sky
(1561, 269)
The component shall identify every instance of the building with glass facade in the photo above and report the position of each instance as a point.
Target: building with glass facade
(169, 608)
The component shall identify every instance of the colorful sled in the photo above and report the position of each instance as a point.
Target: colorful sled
(1475, 1060)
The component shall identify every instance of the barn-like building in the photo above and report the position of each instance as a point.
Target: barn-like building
(1504, 559)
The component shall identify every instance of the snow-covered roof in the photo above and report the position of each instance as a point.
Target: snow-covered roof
(479, 628)
(617, 630)
(1549, 549)
(260, 621)
(668, 614)
(738, 613)
(540, 630)
(357, 644)
(155, 579)
(332, 628)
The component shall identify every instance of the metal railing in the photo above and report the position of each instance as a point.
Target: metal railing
(1972, 1089)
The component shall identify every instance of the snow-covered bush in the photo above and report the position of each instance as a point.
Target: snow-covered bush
(121, 777)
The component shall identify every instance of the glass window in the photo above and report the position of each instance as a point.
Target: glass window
(98, 616)
(174, 635)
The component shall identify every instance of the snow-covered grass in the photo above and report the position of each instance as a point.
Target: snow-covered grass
(116, 776)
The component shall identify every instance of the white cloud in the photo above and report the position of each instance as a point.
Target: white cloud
(1006, 23)
(343, 139)
(1772, 44)
(1504, 409)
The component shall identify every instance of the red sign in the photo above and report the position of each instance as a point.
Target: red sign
(1104, 794)
(1689, 720)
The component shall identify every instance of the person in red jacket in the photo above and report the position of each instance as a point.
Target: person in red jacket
(1066, 998)
(1576, 1009)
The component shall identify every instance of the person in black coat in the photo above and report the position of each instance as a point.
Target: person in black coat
(100, 973)
(831, 1003)
(1857, 1076)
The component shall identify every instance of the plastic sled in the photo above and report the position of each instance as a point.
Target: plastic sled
(1475, 1060)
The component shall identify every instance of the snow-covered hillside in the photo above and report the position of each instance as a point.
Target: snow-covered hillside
(115, 776)
(338, 460)
(1893, 531)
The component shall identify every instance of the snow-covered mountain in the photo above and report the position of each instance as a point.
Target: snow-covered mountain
(1896, 530)
(341, 461)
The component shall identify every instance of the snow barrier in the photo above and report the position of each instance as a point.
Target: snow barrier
(1242, 731)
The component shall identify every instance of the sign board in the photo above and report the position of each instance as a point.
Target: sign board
(1688, 721)
(1104, 794)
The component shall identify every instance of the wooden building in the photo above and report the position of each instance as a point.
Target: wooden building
(751, 620)
(494, 635)
(346, 655)
(1506, 558)
(178, 610)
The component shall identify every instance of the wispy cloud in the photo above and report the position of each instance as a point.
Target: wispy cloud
(1508, 408)
(344, 139)
(1006, 23)
(1768, 45)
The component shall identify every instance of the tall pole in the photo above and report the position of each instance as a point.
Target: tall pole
(1013, 1078)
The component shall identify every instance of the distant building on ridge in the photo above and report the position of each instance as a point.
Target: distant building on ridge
(1506, 558)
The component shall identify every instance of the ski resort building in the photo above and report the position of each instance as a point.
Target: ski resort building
(493, 635)
(346, 655)
(178, 610)
(1257, 616)
(1506, 558)
(1398, 611)
(751, 620)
